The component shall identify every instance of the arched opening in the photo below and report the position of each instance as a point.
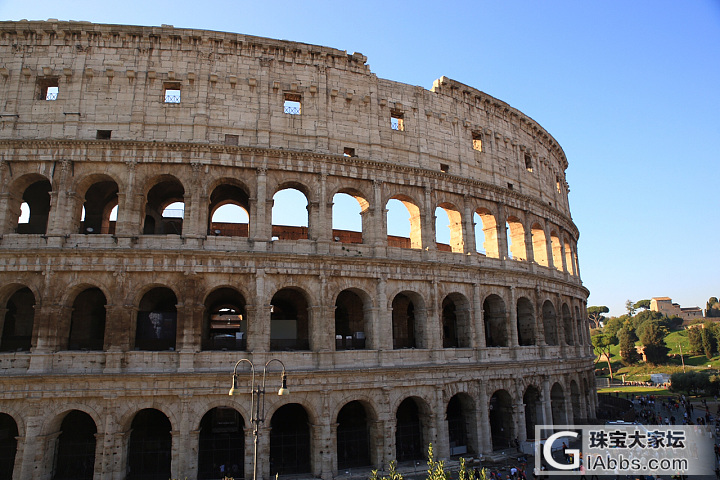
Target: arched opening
(448, 228)
(289, 321)
(221, 444)
(567, 324)
(569, 259)
(501, 420)
(157, 320)
(228, 211)
(36, 197)
(289, 441)
(525, 322)
(75, 458)
(87, 322)
(18, 325)
(456, 322)
(539, 245)
(349, 210)
(165, 209)
(516, 239)
(556, 251)
(494, 318)
(403, 223)
(486, 232)
(461, 424)
(149, 448)
(349, 321)
(408, 314)
(353, 436)
(100, 200)
(224, 321)
(290, 215)
(533, 411)
(557, 405)
(409, 432)
(549, 323)
(8, 445)
(575, 402)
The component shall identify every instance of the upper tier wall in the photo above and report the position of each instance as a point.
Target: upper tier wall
(233, 87)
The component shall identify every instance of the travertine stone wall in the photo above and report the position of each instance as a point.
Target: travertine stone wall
(230, 129)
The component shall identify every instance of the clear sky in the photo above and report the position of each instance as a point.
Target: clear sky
(630, 90)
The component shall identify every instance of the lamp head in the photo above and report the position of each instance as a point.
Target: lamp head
(283, 387)
(233, 389)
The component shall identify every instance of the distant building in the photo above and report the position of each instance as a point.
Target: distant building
(666, 306)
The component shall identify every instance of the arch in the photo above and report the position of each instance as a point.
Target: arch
(99, 200)
(225, 323)
(408, 320)
(290, 213)
(354, 436)
(495, 320)
(557, 405)
(87, 321)
(17, 328)
(567, 324)
(462, 424)
(454, 227)
(167, 191)
(289, 320)
(534, 413)
(8, 445)
(396, 224)
(75, 457)
(456, 320)
(290, 443)
(157, 320)
(37, 198)
(411, 429)
(486, 229)
(549, 323)
(351, 318)
(575, 402)
(556, 251)
(516, 239)
(349, 216)
(228, 210)
(539, 245)
(221, 444)
(502, 425)
(525, 322)
(150, 446)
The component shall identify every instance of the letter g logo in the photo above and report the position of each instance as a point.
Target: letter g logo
(547, 451)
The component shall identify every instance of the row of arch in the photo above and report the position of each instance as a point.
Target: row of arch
(231, 210)
(470, 426)
(226, 321)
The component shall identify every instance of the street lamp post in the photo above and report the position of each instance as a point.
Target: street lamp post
(257, 395)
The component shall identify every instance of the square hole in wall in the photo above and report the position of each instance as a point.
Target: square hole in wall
(48, 88)
(528, 163)
(231, 139)
(397, 122)
(349, 152)
(444, 167)
(172, 92)
(510, 186)
(293, 104)
(477, 141)
(103, 134)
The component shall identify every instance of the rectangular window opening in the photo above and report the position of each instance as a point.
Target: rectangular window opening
(396, 121)
(293, 104)
(231, 139)
(528, 163)
(444, 167)
(103, 134)
(172, 92)
(477, 141)
(349, 152)
(510, 186)
(48, 88)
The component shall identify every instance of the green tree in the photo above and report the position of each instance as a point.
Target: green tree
(628, 352)
(652, 335)
(601, 344)
(613, 325)
(713, 307)
(595, 314)
(691, 383)
(642, 304)
(630, 306)
(709, 343)
(695, 339)
(645, 316)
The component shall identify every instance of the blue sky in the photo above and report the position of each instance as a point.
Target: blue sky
(630, 90)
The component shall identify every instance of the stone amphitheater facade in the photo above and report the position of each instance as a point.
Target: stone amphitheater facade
(120, 333)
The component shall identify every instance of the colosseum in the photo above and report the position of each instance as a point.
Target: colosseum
(128, 299)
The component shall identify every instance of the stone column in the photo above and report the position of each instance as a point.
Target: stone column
(479, 320)
(263, 467)
(434, 333)
(321, 452)
(502, 233)
(377, 224)
(383, 326)
(513, 340)
(427, 224)
(441, 442)
(34, 460)
(321, 222)
(261, 209)
(539, 318)
(258, 329)
(321, 329)
(546, 401)
(483, 401)
(469, 227)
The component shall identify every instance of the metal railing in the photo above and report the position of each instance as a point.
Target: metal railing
(172, 98)
(292, 110)
(51, 96)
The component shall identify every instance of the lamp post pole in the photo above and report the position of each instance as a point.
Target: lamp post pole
(257, 400)
(682, 359)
